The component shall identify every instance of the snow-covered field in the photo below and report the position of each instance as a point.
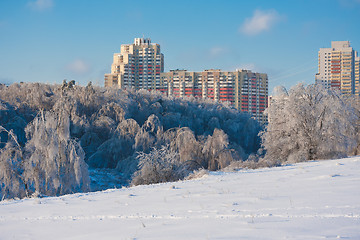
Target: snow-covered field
(313, 200)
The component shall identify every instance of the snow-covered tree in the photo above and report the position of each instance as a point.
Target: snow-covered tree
(149, 134)
(160, 165)
(12, 183)
(189, 149)
(310, 122)
(216, 150)
(354, 102)
(110, 153)
(54, 163)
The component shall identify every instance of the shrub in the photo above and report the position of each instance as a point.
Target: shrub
(160, 165)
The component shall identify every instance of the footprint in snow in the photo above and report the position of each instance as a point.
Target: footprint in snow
(335, 175)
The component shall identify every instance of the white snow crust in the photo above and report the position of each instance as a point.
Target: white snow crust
(312, 200)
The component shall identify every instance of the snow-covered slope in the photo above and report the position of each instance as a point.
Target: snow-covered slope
(313, 200)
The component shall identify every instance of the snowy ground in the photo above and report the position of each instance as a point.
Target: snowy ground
(314, 200)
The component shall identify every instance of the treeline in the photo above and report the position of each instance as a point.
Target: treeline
(51, 135)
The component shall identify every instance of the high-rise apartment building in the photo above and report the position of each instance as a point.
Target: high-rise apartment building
(141, 65)
(246, 90)
(357, 75)
(138, 65)
(336, 67)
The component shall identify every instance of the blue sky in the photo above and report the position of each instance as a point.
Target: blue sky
(51, 40)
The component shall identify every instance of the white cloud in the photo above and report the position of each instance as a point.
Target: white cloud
(261, 21)
(248, 66)
(41, 5)
(349, 3)
(217, 51)
(78, 66)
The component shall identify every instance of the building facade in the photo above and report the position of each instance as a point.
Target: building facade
(138, 65)
(337, 67)
(357, 75)
(245, 90)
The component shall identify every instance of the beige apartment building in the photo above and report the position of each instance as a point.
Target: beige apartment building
(138, 65)
(245, 90)
(337, 67)
(357, 75)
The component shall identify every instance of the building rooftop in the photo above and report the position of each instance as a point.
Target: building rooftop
(140, 41)
(340, 44)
